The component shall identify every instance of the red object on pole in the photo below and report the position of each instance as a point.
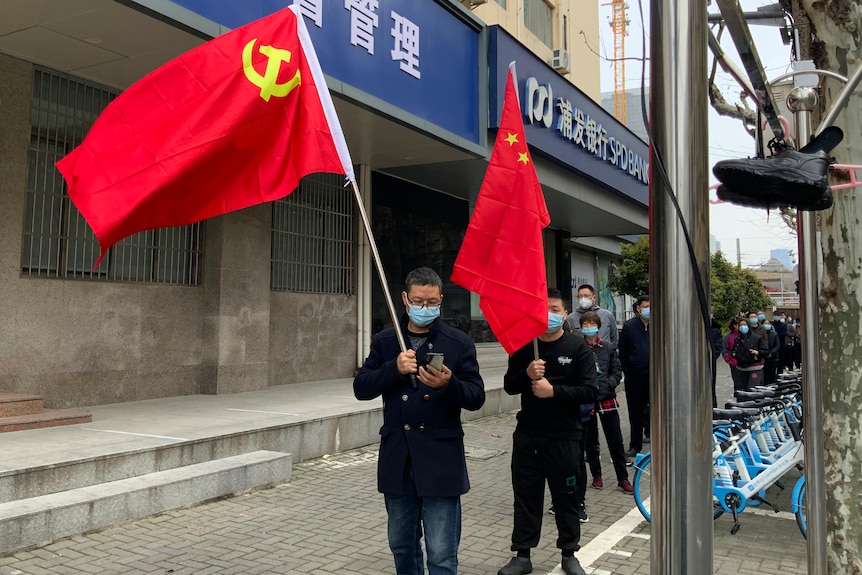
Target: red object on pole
(230, 124)
(502, 257)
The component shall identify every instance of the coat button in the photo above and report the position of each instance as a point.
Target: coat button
(404, 397)
(426, 397)
(422, 427)
(406, 427)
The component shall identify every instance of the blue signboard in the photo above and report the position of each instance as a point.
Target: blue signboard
(565, 125)
(416, 55)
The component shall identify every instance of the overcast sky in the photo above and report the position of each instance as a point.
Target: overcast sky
(758, 231)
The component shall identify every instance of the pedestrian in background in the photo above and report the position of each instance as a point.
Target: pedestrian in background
(610, 373)
(634, 356)
(422, 470)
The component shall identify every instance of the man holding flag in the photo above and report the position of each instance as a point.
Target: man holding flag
(502, 259)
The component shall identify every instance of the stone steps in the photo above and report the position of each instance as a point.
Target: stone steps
(19, 412)
(36, 520)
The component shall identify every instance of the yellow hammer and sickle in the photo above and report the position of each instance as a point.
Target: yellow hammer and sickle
(268, 83)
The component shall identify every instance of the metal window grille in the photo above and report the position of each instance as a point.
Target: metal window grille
(312, 237)
(538, 18)
(57, 242)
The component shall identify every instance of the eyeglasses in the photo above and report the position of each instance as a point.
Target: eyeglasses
(430, 306)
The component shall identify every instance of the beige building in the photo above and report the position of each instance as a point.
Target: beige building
(564, 33)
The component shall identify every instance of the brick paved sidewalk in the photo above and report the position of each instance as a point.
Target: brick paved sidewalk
(330, 519)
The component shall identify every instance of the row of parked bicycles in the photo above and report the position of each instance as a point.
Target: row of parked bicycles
(757, 439)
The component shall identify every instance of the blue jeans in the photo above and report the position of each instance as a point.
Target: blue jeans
(441, 519)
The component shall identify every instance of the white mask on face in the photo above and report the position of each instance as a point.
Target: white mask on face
(585, 302)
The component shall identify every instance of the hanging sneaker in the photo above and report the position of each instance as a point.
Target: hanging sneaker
(789, 178)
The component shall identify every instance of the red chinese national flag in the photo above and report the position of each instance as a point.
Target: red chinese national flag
(502, 258)
(233, 123)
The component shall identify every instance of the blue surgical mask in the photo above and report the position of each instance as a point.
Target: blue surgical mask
(422, 316)
(555, 322)
(645, 312)
(761, 317)
(752, 321)
(767, 327)
(590, 331)
(743, 328)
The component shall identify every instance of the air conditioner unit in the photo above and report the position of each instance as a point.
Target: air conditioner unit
(560, 61)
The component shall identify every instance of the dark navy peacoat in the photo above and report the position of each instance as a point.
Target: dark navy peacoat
(422, 423)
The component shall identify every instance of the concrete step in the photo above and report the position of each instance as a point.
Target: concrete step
(46, 418)
(14, 404)
(36, 520)
(491, 356)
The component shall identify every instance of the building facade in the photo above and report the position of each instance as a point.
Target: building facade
(282, 292)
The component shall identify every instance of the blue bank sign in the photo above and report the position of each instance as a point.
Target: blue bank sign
(417, 55)
(565, 125)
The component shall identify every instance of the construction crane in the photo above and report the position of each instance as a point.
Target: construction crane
(619, 24)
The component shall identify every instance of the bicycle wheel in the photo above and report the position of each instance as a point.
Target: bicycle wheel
(799, 502)
(642, 484)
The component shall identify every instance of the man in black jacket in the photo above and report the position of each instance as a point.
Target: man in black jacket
(422, 470)
(634, 355)
(546, 442)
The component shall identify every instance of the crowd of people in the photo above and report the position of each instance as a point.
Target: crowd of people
(757, 349)
(567, 380)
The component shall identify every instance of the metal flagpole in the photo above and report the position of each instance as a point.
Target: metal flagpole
(375, 255)
(680, 394)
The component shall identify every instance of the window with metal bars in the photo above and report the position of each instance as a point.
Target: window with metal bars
(312, 237)
(57, 242)
(538, 18)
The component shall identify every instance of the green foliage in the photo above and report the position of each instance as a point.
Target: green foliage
(733, 290)
(632, 276)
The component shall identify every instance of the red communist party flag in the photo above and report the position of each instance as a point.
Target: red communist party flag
(502, 258)
(232, 123)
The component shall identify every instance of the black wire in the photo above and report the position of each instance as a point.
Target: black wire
(659, 164)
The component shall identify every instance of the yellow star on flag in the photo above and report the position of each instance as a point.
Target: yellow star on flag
(522, 157)
(512, 138)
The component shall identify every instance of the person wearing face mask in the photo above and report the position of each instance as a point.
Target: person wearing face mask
(749, 351)
(587, 302)
(546, 442)
(729, 355)
(770, 363)
(422, 470)
(634, 355)
(610, 373)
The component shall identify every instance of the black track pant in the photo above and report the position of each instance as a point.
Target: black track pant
(535, 460)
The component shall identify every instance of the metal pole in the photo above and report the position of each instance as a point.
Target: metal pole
(680, 394)
(802, 102)
(363, 215)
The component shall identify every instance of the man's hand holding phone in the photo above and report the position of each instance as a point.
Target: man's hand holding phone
(434, 373)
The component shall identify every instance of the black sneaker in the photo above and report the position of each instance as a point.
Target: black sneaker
(517, 566)
(571, 566)
(551, 510)
(582, 513)
(749, 200)
(789, 178)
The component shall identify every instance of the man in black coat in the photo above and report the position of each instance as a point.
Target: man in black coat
(546, 445)
(422, 470)
(634, 355)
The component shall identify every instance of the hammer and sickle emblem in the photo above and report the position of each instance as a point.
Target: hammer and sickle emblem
(268, 83)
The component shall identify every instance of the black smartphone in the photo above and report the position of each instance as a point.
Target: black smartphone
(435, 360)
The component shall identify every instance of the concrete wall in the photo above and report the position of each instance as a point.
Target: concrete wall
(80, 343)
